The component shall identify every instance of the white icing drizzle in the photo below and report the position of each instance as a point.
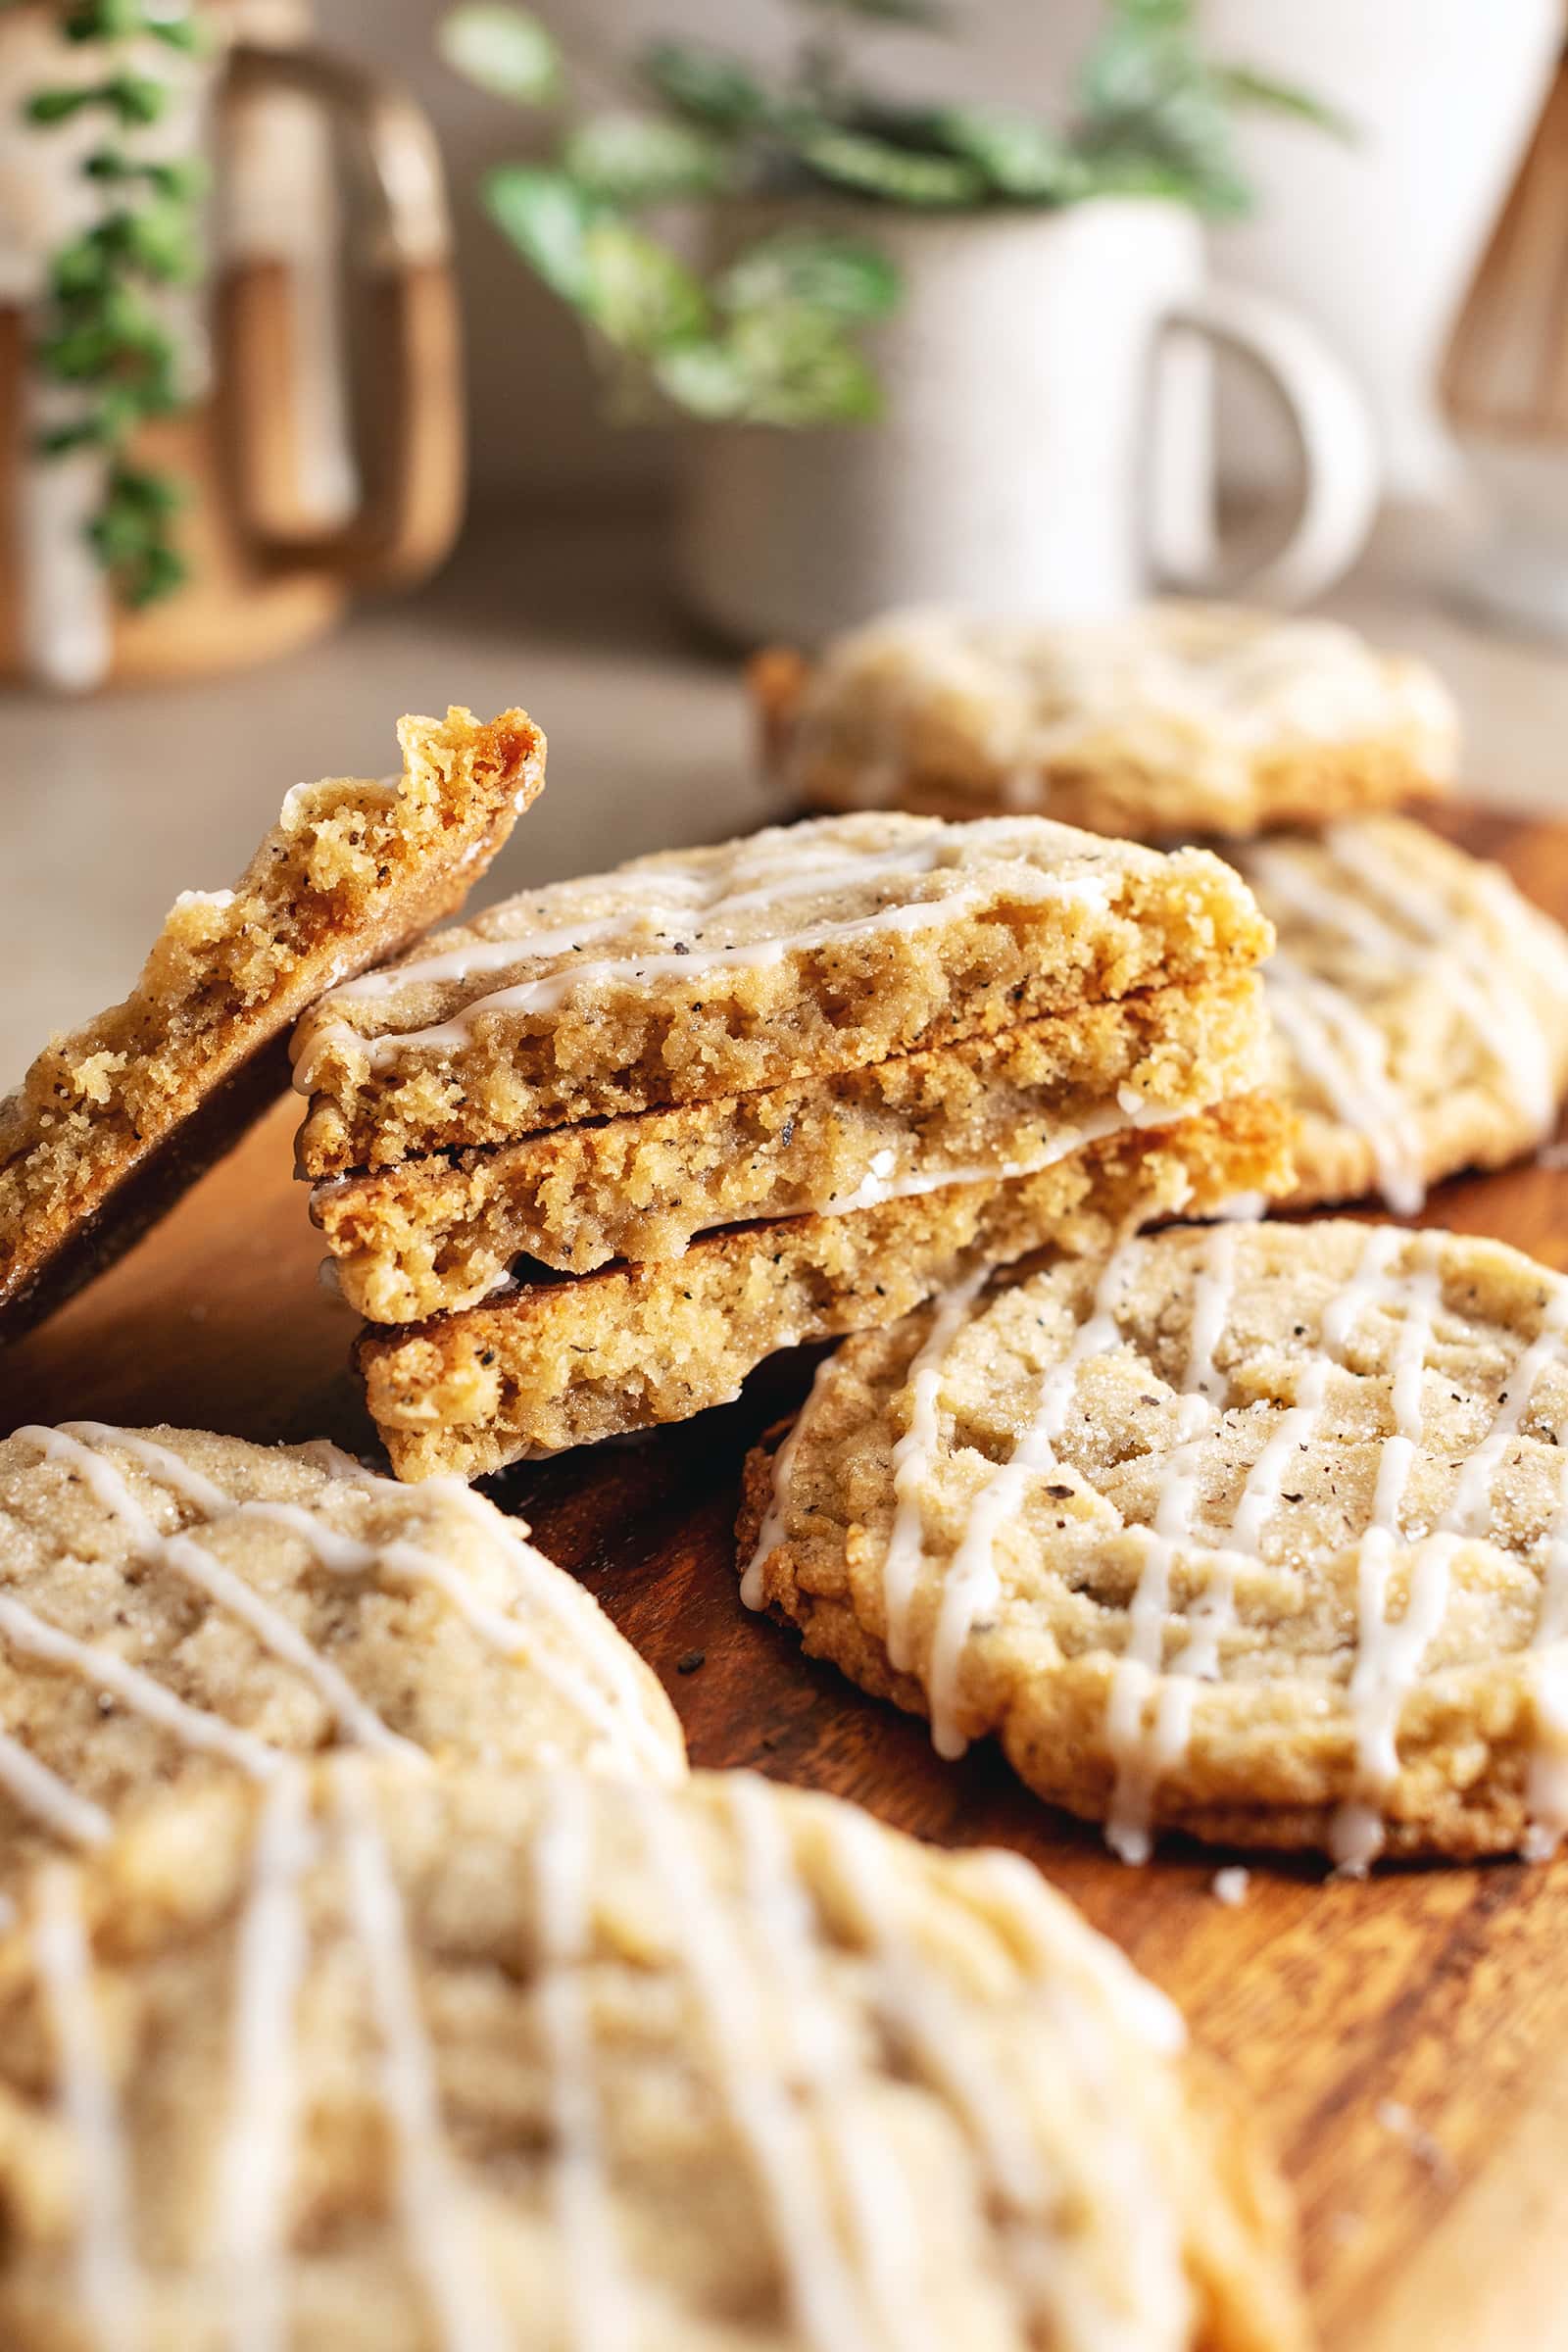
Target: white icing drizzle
(880, 1184)
(598, 2296)
(51, 1801)
(1208, 682)
(1345, 1056)
(970, 1585)
(770, 1534)
(913, 1458)
(789, 1954)
(1501, 1016)
(1058, 1934)
(1388, 1654)
(938, 2033)
(823, 2297)
(1472, 1497)
(1446, 954)
(547, 993)
(436, 2223)
(73, 1443)
(102, 1668)
(255, 2160)
(613, 1703)
(1150, 1702)
(691, 901)
(106, 2266)
(1547, 1791)
(616, 1704)
(1142, 1752)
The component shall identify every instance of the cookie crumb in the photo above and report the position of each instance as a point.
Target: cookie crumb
(691, 1662)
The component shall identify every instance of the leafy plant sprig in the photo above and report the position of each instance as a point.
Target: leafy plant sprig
(104, 337)
(770, 337)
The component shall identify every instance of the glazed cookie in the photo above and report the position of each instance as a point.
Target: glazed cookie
(800, 951)
(112, 1122)
(172, 1602)
(551, 1365)
(385, 2063)
(440, 1233)
(1259, 1532)
(1420, 1009)
(1179, 718)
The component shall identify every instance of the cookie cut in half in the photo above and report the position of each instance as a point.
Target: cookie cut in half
(1257, 1532)
(1419, 1005)
(791, 953)
(173, 1604)
(491, 2062)
(113, 1121)
(1178, 718)
(440, 1233)
(548, 1365)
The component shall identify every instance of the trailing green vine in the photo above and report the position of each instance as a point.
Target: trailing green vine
(103, 336)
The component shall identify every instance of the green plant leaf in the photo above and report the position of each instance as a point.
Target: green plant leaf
(81, 268)
(705, 377)
(784, 364)
(104, 21)
(928, 15)
(1157, 119)
(503, 50)
(645, 159)
(179, 33)
(1245, 85)
(48, 107)
(800, 369)
(830, 274)
(1020, 158)
(706, 85)
(136, 98)
(1134, 69)
(873, 166)
(1137, 171)
(546, 216)
(641, 297)
(162, 242)
(1159, 15)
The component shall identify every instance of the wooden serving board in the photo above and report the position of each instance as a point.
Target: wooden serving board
(1406, 2039)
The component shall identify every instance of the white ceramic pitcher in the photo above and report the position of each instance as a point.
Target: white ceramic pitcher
(1045, 447)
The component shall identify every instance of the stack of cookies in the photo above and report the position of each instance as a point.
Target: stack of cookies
(585, 1162)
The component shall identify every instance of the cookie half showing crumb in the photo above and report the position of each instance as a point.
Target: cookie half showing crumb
(489, 2061)
(1178, 718)
(1420, 1009)
(173, 1604)
(438, 1233)
(791, 953)
(565, 1363)
(1255, 1531)
(113, 1121)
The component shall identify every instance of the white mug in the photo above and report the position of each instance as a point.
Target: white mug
(1045, 447)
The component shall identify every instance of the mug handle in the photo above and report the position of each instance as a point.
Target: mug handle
(413, 469)
(1332, 424)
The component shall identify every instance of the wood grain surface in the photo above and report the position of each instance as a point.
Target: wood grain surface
(1406, 2039)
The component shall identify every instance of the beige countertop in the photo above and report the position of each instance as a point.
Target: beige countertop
(108, 808)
